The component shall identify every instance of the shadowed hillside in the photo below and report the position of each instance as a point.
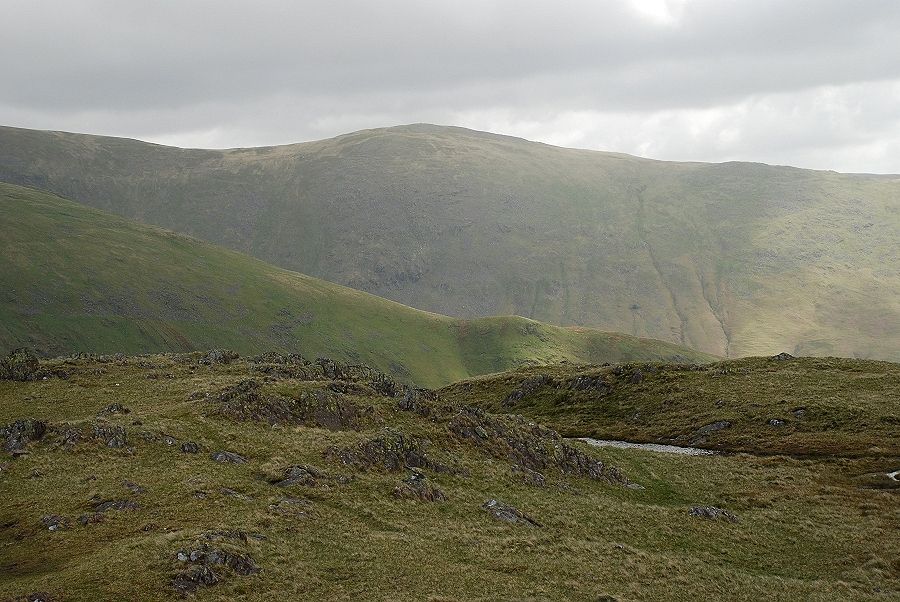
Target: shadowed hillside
(77, 279)
(733, 258)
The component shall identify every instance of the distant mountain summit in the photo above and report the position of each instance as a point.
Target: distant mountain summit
(733, 259)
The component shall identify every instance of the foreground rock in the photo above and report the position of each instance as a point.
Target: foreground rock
(17, 435)
(416, 486)
(508, 514)
(329, 409)
(22, 365)
(208, 564)
(390, 451)
(227, 457)
(529, 445)
(307, 476)
(712, 513)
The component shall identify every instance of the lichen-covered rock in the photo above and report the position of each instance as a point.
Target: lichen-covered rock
(54, 522)
(529, 476)
(111, 436)
(228, 457)
(712, 513)
(114, 409)
(391, 451)
(189, 447)
(193, 578)
(319, 408)
(416, 486)
(17, 435)
(219, 356)
(202, 558)
(527, 387)
(303, 474)
(508, 514)
(21, 365)
(528, 444)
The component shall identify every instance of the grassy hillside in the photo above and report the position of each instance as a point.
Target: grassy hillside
(77, 279)
(818, 406)
(351, 491)
(734, 259)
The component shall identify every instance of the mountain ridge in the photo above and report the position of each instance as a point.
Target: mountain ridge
(732, 258)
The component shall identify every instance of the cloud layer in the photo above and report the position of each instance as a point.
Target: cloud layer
(807, 83)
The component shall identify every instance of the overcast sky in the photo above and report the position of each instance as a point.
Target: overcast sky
(806, 83)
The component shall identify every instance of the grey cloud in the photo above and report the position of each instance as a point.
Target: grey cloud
(241, 73)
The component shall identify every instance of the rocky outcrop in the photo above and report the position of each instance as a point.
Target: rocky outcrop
(227, 457)
(17, 435)
(417, 486)
(204, 565)
(21, 364)
(712, 513)
(391, 451)
(218, 356)
(318, 408)
(529, 445)
(307, 476)
(527, 387)
(508, 514)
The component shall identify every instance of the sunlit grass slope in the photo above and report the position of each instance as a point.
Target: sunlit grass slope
(77, 279)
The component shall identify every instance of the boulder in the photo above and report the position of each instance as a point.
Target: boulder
(219, 356)
(112, 436)
(508, 514)
(114, 409)
(189, 447)
(528, 445)
(227, 457)
(712, 513)
(416, 486)
(17, 435)
(21, 365)
(391, 451)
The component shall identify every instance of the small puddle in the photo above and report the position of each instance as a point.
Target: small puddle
(654, 447)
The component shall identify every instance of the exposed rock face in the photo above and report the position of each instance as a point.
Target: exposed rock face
(783, 356)
(54, 522)
(101, 507)
(529, 476)
(529, 445)
(320, 408)
(587, 383)
(219, 356)
(189, 447)
(508, 514)
(712, 428)
(227, 457)
(307, 476)
(17, 435)
(114, 409)
(526, 388)
(416, 486)
(202, 559)
(391, 451)
(112, 436)
(712, 513)
(22, 364)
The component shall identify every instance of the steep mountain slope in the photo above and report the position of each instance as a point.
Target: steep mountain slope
(734, 258)
(77, 279)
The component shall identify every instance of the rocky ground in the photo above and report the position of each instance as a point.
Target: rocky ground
(213, 476)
